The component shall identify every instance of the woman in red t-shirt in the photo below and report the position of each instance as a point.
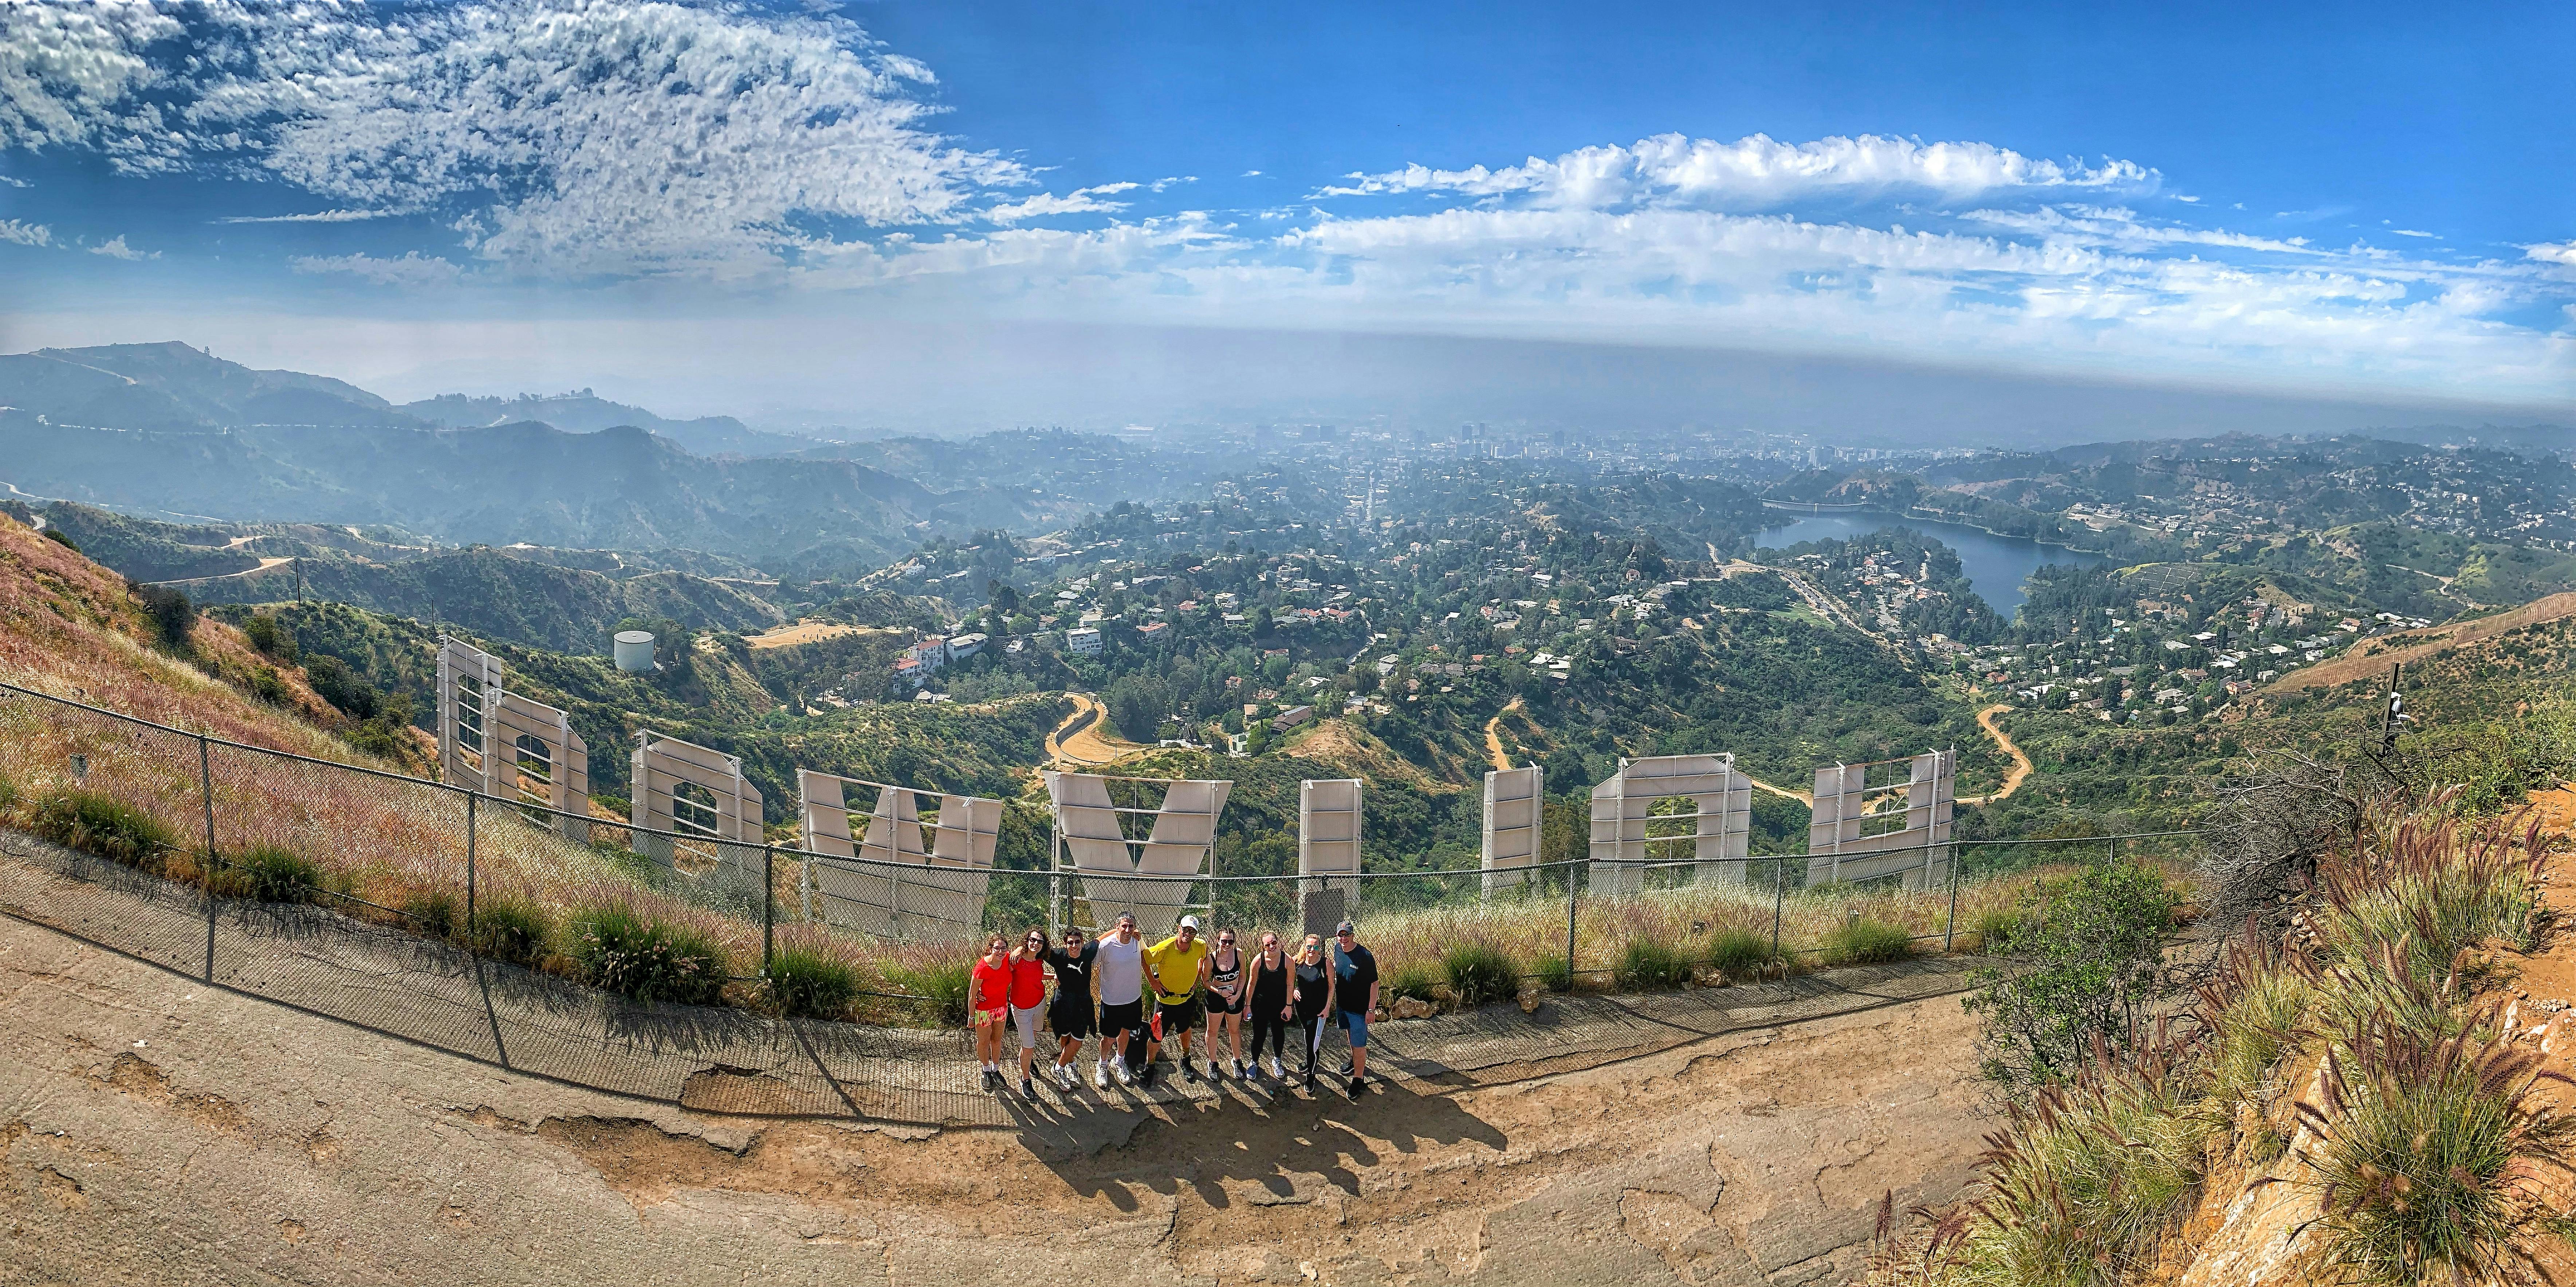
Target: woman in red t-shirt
(988, 1006)
(1028, 995)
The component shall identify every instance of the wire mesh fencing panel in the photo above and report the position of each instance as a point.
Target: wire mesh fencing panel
(127, 798)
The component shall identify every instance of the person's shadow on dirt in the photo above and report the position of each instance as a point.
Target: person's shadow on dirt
(1285, 1145)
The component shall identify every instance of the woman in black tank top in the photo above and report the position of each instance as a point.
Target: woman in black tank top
(1225, 1002)
(1267, 1002)
(1312, 988)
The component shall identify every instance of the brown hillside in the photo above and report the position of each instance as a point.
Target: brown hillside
(1350, 749)
(2375, 656)
(71, 628)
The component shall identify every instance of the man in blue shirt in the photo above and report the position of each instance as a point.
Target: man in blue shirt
(1355, 995)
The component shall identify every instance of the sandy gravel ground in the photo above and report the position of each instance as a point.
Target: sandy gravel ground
(155, 1131)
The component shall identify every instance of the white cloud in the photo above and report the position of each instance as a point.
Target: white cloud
(1081, 201)
(1249, 174)
(573, 138)
(318, 216)
(2559, 252)
(413, 269)
(25, 234)
(1756, 172)
(115, 248)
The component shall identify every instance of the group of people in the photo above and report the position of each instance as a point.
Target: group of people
(1137, 998)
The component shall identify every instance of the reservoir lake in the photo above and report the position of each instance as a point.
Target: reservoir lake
(1995, 565)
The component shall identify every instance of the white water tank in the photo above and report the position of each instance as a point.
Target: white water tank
(634, 650)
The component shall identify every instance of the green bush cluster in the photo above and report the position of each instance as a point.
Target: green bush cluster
(1480, 974)
(1555, 972)
(1648, 964)
(1739, 952)
(811, 984)
(1412, 979)
(941, 987)
(435, 913)
(621, 950)
(269, 873)
(512, 929)
(105, 826)
(1867, 942)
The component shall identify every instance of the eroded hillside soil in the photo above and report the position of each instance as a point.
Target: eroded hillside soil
(159, 1131)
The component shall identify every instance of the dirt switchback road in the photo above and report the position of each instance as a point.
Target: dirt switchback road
(2021, 769)
(155, 1131)
(1085, 739)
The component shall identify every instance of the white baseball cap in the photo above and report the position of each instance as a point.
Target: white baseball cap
(1189, 922)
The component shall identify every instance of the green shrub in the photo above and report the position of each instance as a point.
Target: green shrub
(1996, 928)
(2429, 1153)
(8, 796)
(1481, 974)
(941, 987)
(2082, 1188)
(266, 686)
(171, 614)
(511, 929)
(435, 913)
(1413, 979)
(271, 874)
(62, 538)
(2087, 967)
(1867, 942)
(810, 984)
(264, 635)
(621, 950)
(1739, 952)
(1555, 972)
(1649, 964)
(2424, 890)
(105, 826)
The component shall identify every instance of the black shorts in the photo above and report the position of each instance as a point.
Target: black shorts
(1127, 1017)
(1178, 1016)
(1073, 1018)
(1217, 1004)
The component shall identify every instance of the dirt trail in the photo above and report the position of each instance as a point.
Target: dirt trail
(153, 1130)
(1085, 739)
(1494, 735)
(2021, 768)
(2373, 657)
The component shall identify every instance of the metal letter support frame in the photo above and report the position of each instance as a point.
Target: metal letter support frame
(1515, 806)
(904, 890)
(1090, 833)
(1328, 846)
(1918, 851)
(1720, 820)
(698, 791)
(505, 745)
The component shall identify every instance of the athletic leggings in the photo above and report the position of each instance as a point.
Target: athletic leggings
(1311, 1031)
(1267, 1025)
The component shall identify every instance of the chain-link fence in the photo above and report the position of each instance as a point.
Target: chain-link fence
(453, 919)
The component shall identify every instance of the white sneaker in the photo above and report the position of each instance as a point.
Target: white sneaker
(1100, 1076)
(1277, 1073)
(1064, 1076)
(1120, 1068)
(1237, 1065)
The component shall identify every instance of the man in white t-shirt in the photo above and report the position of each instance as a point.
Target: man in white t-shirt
(1121, 972)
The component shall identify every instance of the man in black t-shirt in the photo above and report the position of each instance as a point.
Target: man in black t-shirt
(1355, 995)
(1072, 1014)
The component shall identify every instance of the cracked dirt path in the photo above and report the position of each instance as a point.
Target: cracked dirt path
(154, 1131)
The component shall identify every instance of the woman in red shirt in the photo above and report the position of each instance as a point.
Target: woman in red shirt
(988, 1004)
(1028, 996)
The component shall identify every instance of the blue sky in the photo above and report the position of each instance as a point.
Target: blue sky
(707, 202)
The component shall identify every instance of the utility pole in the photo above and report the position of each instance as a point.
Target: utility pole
(2395, 714)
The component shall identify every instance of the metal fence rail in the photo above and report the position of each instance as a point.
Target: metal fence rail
(394, 936)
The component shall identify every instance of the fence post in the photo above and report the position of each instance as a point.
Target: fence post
(1950, 931)
(206, 786)
(469, 865)
(1569, 925)
(768, 906)
(1779, 896)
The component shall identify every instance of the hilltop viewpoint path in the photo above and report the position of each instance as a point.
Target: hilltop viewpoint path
(154, 1130)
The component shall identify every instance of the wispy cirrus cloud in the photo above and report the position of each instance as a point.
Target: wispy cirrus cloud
(562, 138)
(318, 216)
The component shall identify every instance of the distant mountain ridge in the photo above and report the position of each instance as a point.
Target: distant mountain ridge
(581, 411)
(167, 427)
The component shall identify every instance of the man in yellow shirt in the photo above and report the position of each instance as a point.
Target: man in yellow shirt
(1177, 965)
